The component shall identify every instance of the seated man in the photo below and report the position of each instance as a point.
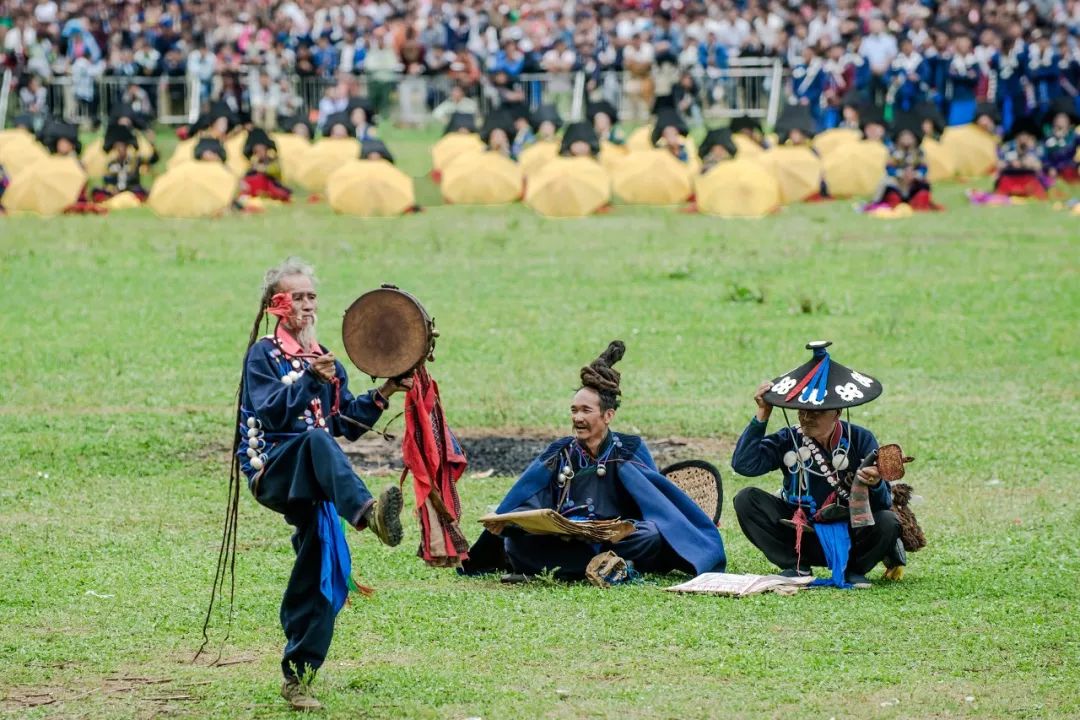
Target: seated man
(122, 169)
(294, 400)
(1020, 164)
(263, 178)
(579, 140)
(604, 118)
(906, 170)
(821, 460)
(669, 133)
(600, 475)
(716, 148)
(1061, 144)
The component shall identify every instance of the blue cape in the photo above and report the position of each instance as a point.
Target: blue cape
(684, 525)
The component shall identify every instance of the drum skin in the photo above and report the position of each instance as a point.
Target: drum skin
(387, 333)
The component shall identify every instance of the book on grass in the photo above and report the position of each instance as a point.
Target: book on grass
(549, 522)
(742, 585)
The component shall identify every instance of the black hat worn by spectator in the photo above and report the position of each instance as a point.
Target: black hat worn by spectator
(989, 110)
(56, 130)
(375, 146)
(794, 117)
(871, 115)
(258, 136)
(501, 119)
(717, 137)
(460, 121)
(116, 133)
(341, 118)
(669, 118)
(1025, 126)
(911, 120)
(601, 106)
(930, 111)
(580, 132)
(209, 144)
(217, 111)
(288, 123)
(1062, 106)
(138, 120)
(745, 123)
(546, 113)
(365, 105)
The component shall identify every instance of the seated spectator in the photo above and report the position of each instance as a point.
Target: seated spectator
(716, 148)
(263, 178)
(497, 132)
(122, 173)
(669, 133)
(906, 172)
(1020, 163)
(458, 102)
(375, 149)
(604, 118)
(1061, 144)
(546, 123)
(580, 140)
(460, 122)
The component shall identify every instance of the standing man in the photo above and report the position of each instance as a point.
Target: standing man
(294, 399)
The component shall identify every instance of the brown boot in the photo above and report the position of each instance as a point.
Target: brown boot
(384, 516)
(299, 696)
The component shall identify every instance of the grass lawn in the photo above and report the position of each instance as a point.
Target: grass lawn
(125, 336)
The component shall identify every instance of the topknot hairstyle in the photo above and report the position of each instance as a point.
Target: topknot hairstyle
(601, 377)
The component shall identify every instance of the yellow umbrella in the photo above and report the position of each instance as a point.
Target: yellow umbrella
(182, 153)
(370, 188)
(974, 151)
(234, 153)
(746, 146)
(569, 187)
(652, 177)
(693, 162)
(796, 169)
(737, 188)
(123, 201)
(46, 187)
(640, 139)
(291, 149)
(611, 154)
(17, 134)
(17, 154)
(193, 189)
(485, 178)
(537, 155)
(855, 168)
(323, 158)
(96, 160)
(830, 140)
(939, 161)
(452, 145)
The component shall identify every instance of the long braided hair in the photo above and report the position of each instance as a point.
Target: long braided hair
(226, 562)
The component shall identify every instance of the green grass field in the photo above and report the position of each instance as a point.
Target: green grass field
(125, 336)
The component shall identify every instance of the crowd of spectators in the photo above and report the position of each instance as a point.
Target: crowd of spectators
(1021, 55)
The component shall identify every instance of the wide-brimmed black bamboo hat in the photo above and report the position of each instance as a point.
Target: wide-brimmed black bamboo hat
(822, 384)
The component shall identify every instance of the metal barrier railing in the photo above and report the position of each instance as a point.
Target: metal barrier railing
(748, 87)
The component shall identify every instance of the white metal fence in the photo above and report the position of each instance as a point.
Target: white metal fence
(749, 87)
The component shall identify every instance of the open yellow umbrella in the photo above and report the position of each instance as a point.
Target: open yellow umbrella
(182, 153)
(855, 168)
(569, 187)
(19, 153)
(652, 177)
(796, 169)
(123, 201)
(746, 146)
(451, 146)
(323, 158)
(16, 134)
(46, 187)
(485, 178)
(939, 161)
(537, 155)
(974, 151)
(291, 150)
(831, 139)
(737, 188)
(234, 153)
(611, 154)
(200, 188)
(640, 139)
(370, 188)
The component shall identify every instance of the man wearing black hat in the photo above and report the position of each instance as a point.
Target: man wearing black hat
(263, 178)
(599, 474)
(604, 118)
(716, 148)
(669, 133)
(579, 140)
(122, 165)
(829, 478)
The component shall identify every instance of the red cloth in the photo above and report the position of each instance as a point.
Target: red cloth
(432, 455)
(1020, 185)
(256, 184)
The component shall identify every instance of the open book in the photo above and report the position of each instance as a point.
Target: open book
(549, 522)
(742, 585)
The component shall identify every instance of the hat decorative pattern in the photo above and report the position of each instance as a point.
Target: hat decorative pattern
(822, 384)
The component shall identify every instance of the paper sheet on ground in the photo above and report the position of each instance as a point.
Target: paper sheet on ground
(741, 585)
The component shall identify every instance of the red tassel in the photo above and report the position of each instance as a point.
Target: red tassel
(799, 519)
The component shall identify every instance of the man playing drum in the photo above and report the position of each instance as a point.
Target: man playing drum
(597, 474)
(294, 401)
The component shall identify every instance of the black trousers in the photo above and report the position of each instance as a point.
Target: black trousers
(301, 473)
(760, 513)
